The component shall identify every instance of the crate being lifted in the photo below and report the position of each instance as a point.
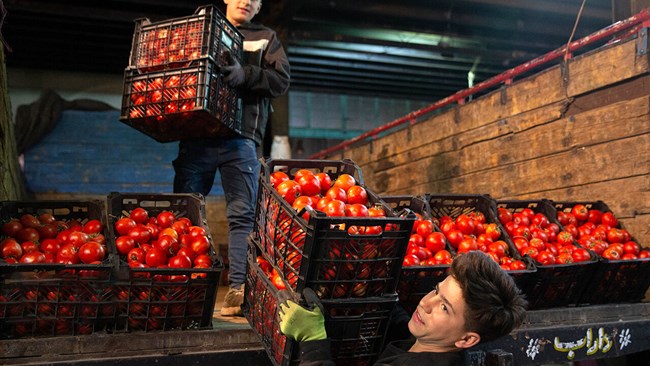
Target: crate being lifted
(173, 86)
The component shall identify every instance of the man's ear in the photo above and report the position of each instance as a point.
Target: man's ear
(470, 339)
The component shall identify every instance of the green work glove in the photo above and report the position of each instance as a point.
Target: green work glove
(302, 324)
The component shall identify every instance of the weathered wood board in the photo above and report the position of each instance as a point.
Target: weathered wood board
(574, 132)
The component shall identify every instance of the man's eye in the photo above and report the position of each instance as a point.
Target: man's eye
(444, 308)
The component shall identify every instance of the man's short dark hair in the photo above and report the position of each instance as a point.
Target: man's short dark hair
(495, 305)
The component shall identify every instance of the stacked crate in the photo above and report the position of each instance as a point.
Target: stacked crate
(173, 86)
(55, 299)
(353, 273)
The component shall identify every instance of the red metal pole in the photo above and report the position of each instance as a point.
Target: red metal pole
(639, 18)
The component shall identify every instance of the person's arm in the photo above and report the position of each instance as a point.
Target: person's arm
(308, 328)
(272, 77)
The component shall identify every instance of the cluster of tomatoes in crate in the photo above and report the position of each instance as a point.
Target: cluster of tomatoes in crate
(162, 241)
(45, 239)
(165, 94)
(535, 235)
(341, 197)
(170, 45)
(466, 232)
(427, 246)
(271, 273)
(599, 231)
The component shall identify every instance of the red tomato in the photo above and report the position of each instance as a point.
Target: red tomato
(336, 193)
(335, 208)
(410, 260)
(424, 228)
(455, 237)
(644, 254)
(631, 247)
(521, 219)
(376, 211)
(10, 248)
(505, 216)
(493, 231)
(356, 210)
(11, 228)
(467, 244)
(168, 244)
(564, 238)
(465, 224)
(277, 281)
(91, 252)
(580, 255)
(615, 235)
(594, 216)
(325, 182)
(611, 254)
(345, 181)
(124, 244)
(203, 260)
(277, 178)
(289, 190)
(500, 248)
(155, 257)
(436, 241)
(309, 184)
(200, 245)
(580, 212)
(140, 234)
(33, 257)
(136, 255)
(180, 261)
(518, 265)
(29, 220)
(442, 257)
(357, 194)
(68, 254)
(29, 246)
(139, 215)
(165, 219)
(609, 219)
(28, 234)
(124, 225)
(50, 246)
(545, 258)
(92, 227)
(539, 220)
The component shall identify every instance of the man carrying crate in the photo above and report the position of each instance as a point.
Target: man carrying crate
(263, 75)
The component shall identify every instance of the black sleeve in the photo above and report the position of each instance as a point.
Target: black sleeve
(316, 353)
(271, 78)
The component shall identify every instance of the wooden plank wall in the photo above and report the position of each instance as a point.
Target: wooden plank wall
(569, 133)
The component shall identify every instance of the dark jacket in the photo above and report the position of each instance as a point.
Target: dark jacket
(266, 69)
(317, 353)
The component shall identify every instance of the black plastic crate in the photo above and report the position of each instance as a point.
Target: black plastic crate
(324, 253)
(553, 285)
(177, 42)
(613, 280)
(183, 103)
(356, 329)
(153, 299)
(48, 307)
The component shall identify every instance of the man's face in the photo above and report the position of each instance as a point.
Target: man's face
(438, 322)
(241, 11)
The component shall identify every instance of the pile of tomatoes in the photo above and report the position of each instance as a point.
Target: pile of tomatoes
(600, 231)
(46, 239)
(163, 45)
(533, 234)
(342, 197)
(466, 232)
(161, 241)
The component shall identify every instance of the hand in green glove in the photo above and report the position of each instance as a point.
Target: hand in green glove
(302, 324)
